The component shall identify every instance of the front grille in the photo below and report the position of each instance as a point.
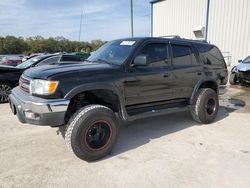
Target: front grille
(24, 83)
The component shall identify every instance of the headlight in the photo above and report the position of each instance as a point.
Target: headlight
(234, 69)
(43, 87)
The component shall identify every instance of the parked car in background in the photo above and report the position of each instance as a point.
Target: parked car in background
(9, 76)
(11, 60)
(25, 58)
(240, 74)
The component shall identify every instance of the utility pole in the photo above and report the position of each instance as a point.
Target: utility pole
(207, 18)
(80, 30)
(132, 18)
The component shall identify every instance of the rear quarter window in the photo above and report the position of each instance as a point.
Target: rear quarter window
(210, 54)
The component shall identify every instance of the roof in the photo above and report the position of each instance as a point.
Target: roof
(155, 1)
(141, 39)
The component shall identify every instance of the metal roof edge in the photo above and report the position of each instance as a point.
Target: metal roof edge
(155, 1)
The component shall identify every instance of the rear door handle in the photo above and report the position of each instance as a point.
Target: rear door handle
(165, 75)
(199, 73)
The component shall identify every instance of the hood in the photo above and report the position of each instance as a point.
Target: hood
(4, 68)
(243, 67)
(43, 72)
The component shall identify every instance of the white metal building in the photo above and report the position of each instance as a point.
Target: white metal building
(228, 23)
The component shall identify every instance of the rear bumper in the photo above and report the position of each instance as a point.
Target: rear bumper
(37, 111)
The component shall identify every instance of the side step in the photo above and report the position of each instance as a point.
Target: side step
(140, 113)
(158, 112)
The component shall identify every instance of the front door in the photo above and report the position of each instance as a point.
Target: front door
(151, 83)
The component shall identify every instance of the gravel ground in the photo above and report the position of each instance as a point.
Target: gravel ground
(165, 151)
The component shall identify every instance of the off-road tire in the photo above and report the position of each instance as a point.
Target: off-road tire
(201, 111)
(4, 87)
(78, 131)
(232, 78)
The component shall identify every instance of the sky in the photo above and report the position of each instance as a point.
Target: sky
(102, 19)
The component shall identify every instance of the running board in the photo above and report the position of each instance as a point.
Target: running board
(153, 113)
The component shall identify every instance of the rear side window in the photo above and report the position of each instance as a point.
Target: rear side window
(210, 54)
(157, 54)
(183, 56)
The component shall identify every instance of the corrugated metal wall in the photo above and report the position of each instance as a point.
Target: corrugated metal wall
(229, 22)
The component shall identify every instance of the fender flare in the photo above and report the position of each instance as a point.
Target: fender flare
(197, 86)
(100, 86)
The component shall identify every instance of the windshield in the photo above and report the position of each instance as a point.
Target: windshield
(28, 63)
(247, 60)
(115, 52)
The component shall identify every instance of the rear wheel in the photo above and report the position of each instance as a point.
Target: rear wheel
(206, 106)
(92, 132)
(5, 89)
(233, 78)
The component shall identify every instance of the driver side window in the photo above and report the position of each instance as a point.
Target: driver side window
(157, 54)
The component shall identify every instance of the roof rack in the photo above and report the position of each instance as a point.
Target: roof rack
(178, 37)
(171, 36)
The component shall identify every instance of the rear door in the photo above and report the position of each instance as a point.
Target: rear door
(150, 83)
(187, 69)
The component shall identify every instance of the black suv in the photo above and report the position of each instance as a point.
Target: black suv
(125, 79)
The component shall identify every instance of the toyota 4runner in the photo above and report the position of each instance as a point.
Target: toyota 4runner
(124, 80)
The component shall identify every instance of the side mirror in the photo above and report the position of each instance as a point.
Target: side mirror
(240, 61)
(141, 60)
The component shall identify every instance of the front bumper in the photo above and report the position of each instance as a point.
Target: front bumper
(38, 111)
(244, 76)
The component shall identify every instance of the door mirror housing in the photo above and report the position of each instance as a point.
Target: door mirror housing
(240, 61)
(141, 60)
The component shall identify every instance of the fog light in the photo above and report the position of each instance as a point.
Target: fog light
(31, 115)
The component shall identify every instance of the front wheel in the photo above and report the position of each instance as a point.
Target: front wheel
(5, 89)
(92, 132)
(206, 106)
(233, 78)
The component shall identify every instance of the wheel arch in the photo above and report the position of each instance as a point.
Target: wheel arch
(103, 94)
(204, 84)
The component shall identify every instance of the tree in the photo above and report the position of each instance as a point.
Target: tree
(36, 44)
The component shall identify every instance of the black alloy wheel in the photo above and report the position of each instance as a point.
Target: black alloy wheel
(98, 135)
(4, 92)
